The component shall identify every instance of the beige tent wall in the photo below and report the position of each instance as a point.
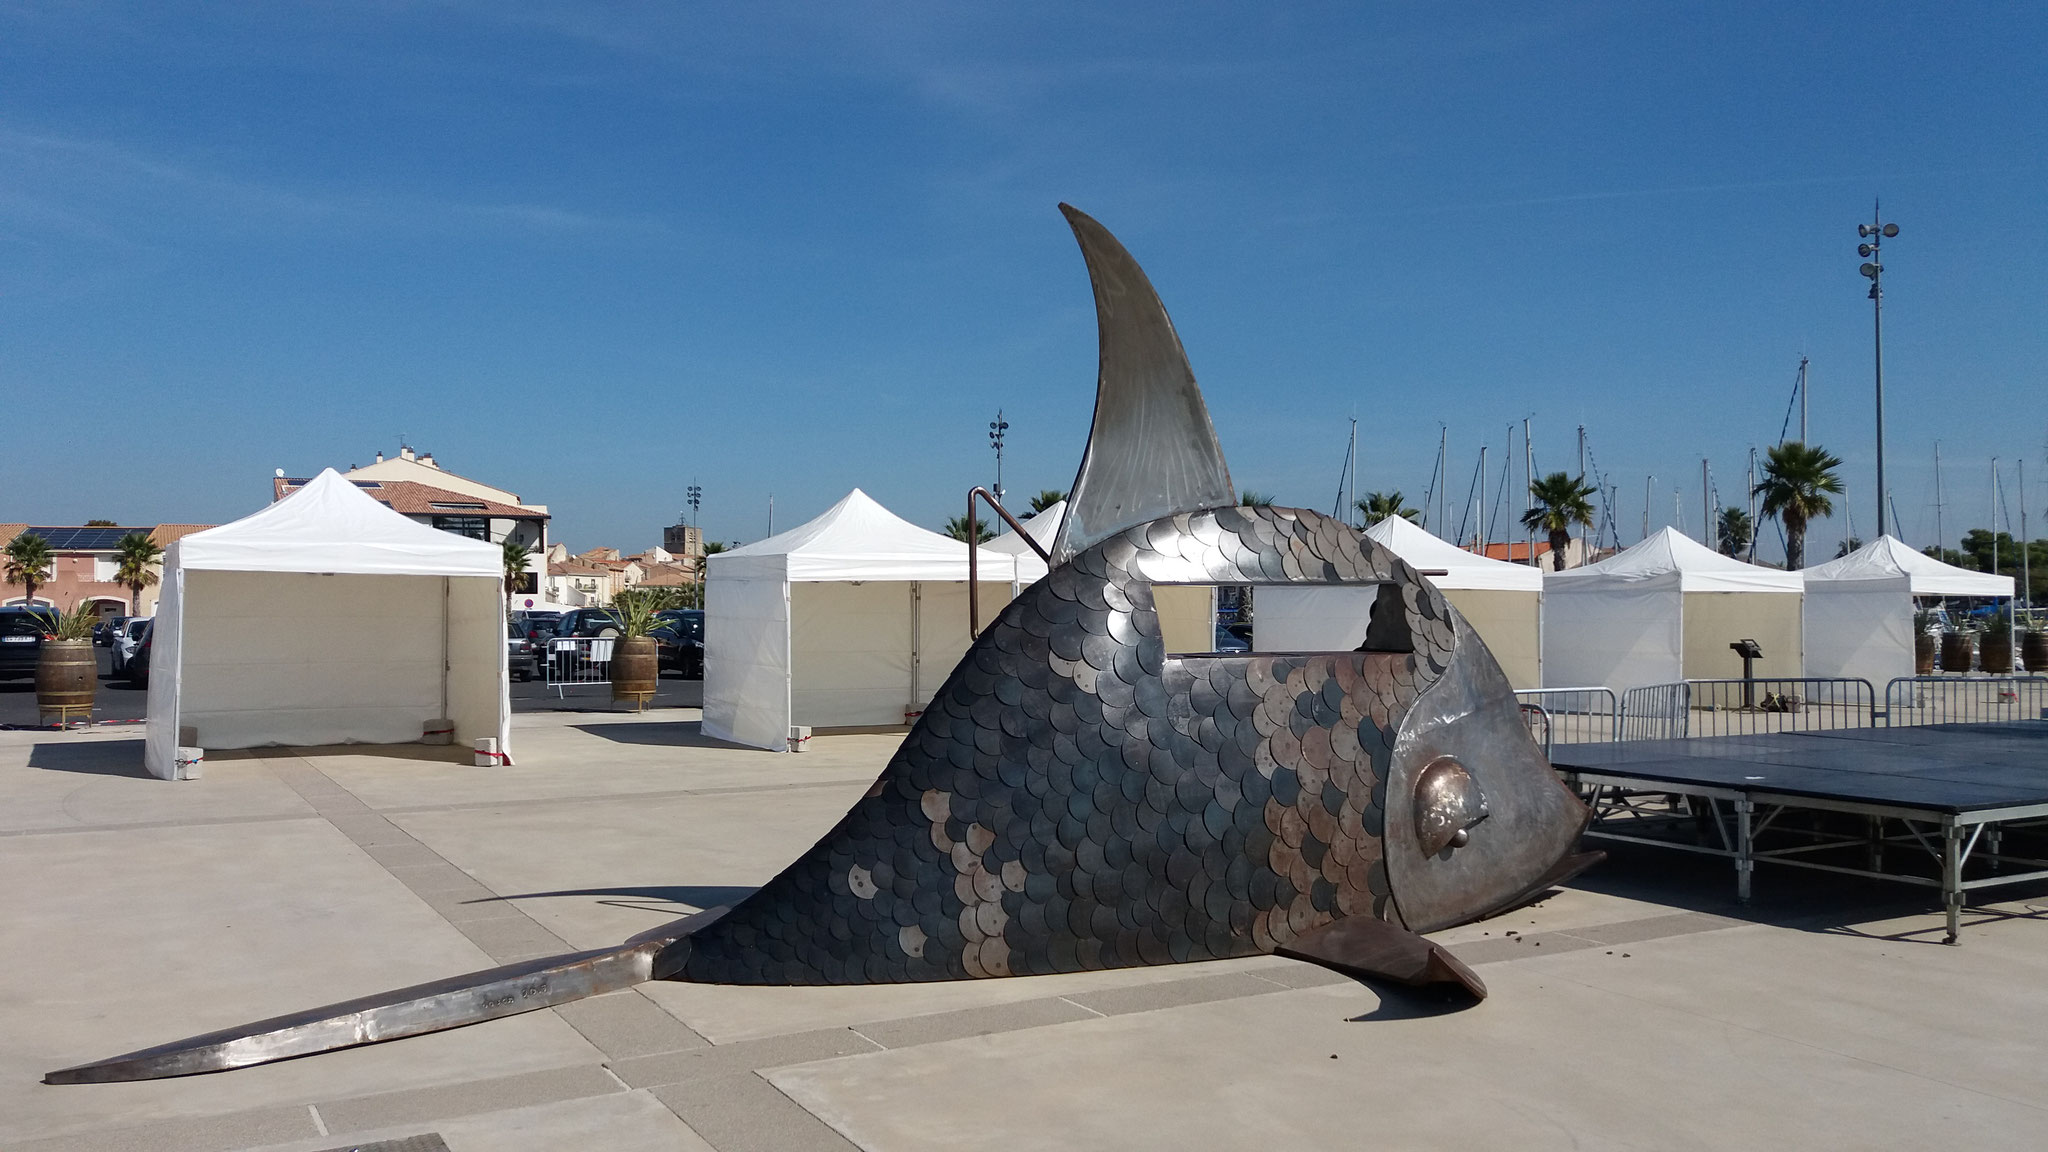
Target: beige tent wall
(1187, 616)
(850, 647)
(301, 658)
(1510, 624)
(1714, 620)
(849, 653)
(476, 655)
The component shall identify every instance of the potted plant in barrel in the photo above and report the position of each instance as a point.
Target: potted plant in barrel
(1923, 643)
(1956, 651)
(1994, 647)
(67, 672)
(636, 661)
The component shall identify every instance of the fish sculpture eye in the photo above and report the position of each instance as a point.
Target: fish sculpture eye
(1447, 804)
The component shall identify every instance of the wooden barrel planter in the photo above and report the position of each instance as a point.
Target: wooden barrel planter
(636, 669)
(1923, 654)
(67, 674)
(2034, 650)
(1955, 652)
(1994, 652)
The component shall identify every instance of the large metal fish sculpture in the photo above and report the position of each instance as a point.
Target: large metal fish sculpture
(1077, 797)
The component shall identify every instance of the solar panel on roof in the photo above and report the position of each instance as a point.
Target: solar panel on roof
(81, 539)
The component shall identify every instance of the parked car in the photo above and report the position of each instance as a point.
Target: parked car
(125, 640)
(137, 667)
(679, 641)
(587, 622)
(522, 656)
(103, 633)
(537, 626)
(21, 640)
(1229, 641)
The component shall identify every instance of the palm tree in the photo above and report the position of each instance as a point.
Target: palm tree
(1377, 506)
(1848, 546)
(1560, 501)
(1732, 530)
(513, 555)
(1795, 488)
(1045, 499)
(29, 564)
(136, 554)
(965, 530)
(713, 547)
(1251, 499)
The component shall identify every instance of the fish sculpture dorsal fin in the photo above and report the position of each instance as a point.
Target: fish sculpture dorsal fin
(1152, 451)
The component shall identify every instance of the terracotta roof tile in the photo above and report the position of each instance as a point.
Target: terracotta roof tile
(415, 499)
(163, 534)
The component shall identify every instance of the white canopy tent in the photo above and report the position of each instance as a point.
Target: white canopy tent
(1858, 618)
(1666, 610)
(325, 618)
(851, 620)
(1503, 602)
(1042, 527)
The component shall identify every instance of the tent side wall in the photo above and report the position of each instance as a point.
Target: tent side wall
(1619, 635)
(1859, 628)
(160, 746)
(479, 681)
(1511, 624)
(852, 646)
(747, 658)
(849, 653)
(300, 658)
(1714, 620)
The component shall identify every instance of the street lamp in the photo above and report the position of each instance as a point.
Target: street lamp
(1874, 234)
(996, 428)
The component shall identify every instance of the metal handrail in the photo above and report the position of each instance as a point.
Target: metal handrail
(974, 555)
(1539, 700)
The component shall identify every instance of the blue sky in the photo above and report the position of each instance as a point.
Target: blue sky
(598, 253)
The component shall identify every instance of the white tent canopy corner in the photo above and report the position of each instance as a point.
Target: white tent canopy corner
(1503, 602)
(325, 618)
(1042, 527)
(852, 619)
(1858, 617)
(1665, 610)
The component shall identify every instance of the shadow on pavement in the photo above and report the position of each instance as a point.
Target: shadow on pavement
(99, 758)
(1399, 1002)
(673, 734)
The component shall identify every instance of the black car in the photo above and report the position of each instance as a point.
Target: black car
(21, 640)
(103, 633)
(679, 641)
(522, 656)
(586, 622)
(137, 668)
(537, 626)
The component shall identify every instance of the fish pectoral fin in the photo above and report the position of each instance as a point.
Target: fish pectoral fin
(1367, 949)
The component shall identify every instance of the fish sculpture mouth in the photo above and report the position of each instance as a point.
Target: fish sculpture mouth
(1080, 794)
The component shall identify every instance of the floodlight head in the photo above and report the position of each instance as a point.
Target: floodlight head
(1891, 230)
(1863, 249)
(1863, 229)
(1869, 270)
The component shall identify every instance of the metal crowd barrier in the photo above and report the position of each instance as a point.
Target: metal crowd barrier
(577, 660)
(1913, 700)
(1571, 715)
(1655, 712)
(1738, 707)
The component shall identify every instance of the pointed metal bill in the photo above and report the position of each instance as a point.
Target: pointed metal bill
(414, 1011)
(1152, 451)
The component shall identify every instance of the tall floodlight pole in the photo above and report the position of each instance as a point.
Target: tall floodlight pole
(1874, 235)
(996, 428)
(696, 497)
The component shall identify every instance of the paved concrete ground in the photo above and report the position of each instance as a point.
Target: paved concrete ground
(1635, 1010)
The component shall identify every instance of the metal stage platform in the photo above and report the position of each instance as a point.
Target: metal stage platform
(1837, 801)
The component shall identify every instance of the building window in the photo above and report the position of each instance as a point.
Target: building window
(474, 527)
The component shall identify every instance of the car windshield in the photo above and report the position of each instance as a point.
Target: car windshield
(134, 627)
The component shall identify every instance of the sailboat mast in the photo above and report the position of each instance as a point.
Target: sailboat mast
(1479, 525)
(1940, 541)
(1529, 487)
(1706, 504)
(1351, 471)
(1752, 503)
(1802, 401)
(1648, 482)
